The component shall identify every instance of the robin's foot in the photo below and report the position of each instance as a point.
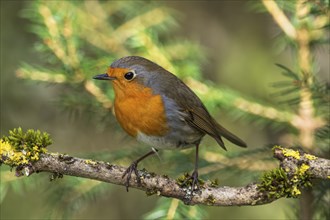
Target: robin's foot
(132, 168)
(193, 181)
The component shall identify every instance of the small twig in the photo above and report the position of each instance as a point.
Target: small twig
(280, 18)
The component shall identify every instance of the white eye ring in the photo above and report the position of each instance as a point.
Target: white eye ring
(130, 75)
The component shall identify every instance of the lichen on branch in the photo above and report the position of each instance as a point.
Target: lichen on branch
(19, 149)
(27, 152)
(283, 182)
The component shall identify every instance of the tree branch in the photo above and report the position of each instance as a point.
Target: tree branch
(290, 161)
(280, 18)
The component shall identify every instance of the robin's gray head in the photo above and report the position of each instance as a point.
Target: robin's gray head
(135, 70)
(142, 67)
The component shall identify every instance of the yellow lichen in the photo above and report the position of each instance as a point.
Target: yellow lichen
(35, 157)
(14, 157)
(303, 168)
(295, 179)
(310, 157)
(291, 153)
(295, 191)
(5, 147)
(21, 148)
(90, 162)
(10, 156)
(277, 183)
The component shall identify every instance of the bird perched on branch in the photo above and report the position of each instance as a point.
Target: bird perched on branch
(158, 109)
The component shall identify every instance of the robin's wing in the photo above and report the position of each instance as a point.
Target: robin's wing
(197, 119)
(196, 114)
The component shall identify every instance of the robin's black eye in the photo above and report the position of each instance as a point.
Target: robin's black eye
(129, 75)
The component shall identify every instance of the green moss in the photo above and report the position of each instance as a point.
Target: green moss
(181, 180)
(109, 166)
(210, 200)
(144, 174)
(277, 183)
(55, 176)
(65, 158)
(19, 148)
(151, 192)
(165, 176)
(152, 174)
(186, 181)
(214, 183)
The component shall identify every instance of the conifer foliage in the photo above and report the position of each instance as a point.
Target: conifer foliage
(80, 38)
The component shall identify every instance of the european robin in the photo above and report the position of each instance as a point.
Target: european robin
(158, 109)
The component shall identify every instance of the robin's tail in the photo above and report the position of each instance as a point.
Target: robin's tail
(230, 136)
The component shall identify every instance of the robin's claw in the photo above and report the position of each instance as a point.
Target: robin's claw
(133, 167)
(128, 173)
(193, 181)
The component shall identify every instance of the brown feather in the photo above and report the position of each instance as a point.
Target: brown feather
(198, 116)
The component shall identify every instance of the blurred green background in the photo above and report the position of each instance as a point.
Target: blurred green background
(238, 51)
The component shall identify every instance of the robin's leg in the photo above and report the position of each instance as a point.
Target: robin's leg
(194, 175)
(133, 167)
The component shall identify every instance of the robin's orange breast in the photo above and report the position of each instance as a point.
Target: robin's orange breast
(139, 110)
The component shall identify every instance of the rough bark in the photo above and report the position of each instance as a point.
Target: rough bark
(165, 186)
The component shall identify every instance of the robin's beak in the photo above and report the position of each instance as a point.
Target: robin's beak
(104, 76)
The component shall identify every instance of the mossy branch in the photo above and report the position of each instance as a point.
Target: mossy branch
(296, 171)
